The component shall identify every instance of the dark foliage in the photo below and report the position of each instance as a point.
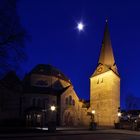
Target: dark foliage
(12, 36)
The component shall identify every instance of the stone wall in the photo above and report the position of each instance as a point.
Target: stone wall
(73, 114)
(105, 97)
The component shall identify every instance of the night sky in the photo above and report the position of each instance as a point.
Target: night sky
(54, 39)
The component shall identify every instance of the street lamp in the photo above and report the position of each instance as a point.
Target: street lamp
(117, 124)
(93, 112)
(53, 108)
(92, 124)
(52, 121)
(92, 115)
(119, 114)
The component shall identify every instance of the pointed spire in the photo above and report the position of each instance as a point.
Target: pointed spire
(106, 59)
(106, 54)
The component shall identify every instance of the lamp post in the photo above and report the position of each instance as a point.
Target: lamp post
(52, 121)
(119, 116)
(118, 125)
(92, 123)
(92, 115)
(53, 108)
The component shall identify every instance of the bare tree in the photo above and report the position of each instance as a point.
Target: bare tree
(132, 102)
(12, 36)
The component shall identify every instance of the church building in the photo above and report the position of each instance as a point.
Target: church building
(105, 85)
(28, 101)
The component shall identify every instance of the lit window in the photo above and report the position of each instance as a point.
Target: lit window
(38, 118)
(29, 117)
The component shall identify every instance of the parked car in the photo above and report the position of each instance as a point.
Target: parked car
(128, 122)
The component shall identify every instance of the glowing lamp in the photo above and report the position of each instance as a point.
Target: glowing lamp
(93, 111)
(53, 108)
(119, 114)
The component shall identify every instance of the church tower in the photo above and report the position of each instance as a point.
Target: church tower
(105, 85)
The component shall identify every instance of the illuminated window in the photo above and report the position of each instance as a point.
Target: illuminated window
(38, 118)
(27, 117)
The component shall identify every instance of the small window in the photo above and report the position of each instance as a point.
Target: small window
(98, 81)
(73, 102)
(102, 80)
(66, 101)
(45, 103)
(70, 100)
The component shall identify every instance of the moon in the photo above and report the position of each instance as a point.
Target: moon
(80, 26)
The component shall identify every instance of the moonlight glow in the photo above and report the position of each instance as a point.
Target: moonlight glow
(80, 26)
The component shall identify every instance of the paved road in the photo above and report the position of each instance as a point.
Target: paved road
(80, 137)
(94, 137)
(76, 135)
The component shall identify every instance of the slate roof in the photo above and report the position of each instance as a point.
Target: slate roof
(46, 69)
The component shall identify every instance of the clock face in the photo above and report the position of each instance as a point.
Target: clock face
(100, 69)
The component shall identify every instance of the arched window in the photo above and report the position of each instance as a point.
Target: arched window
(102, 80)
(70, 100)
(66, 101)
(45, 103)
(39, 103)
(73, 102)
(98, 81)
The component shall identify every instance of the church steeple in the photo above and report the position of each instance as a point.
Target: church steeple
(106, 54)
(106, 59)
(105, 85)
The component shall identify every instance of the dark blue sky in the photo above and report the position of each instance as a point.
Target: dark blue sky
(55, 40)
